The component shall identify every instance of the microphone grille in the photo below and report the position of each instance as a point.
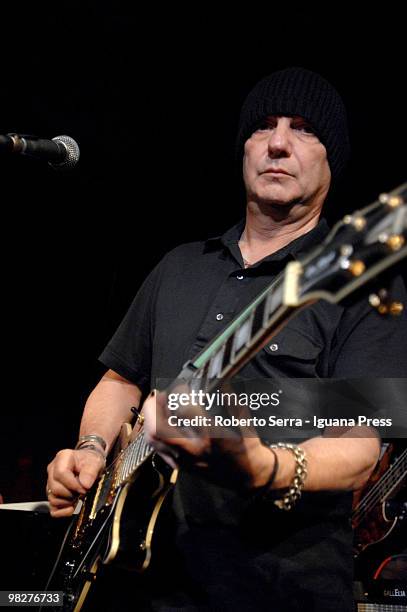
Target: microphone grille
(72, 152)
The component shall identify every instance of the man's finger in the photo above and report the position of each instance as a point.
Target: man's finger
(58, 490)
(60, 512)
(88, 474)
(59, 502)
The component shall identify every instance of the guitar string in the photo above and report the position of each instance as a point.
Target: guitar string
(365, 508)
(362, 512)
(128, 450)
(376, 492)
(138, 453)
(382, 482)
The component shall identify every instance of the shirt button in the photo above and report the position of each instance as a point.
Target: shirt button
(219, 316)
(240, 277)
(273, 347)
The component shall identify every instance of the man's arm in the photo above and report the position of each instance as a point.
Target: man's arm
(334, 463)
(338, 460)
(73, 472)
(108, 406)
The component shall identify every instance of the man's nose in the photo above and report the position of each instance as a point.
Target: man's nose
(279, 142)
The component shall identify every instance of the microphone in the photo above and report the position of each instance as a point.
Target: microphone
(62, 152)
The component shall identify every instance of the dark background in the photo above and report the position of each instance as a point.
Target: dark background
(152, 96)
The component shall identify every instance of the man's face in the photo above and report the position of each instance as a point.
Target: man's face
(285, 162)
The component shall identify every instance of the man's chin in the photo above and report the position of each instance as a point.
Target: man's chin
(280, 202)
(279, 209)
(278, 195)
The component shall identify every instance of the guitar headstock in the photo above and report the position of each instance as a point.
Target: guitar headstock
(358, 248)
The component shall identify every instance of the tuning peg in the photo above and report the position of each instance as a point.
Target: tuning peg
(139, 416)
(356, 267)
(357, 221)
(396, 308)
(392, 201)
(383, 305)
(395, 242)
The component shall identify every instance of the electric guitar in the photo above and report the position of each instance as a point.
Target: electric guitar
(374, 516)
(125, 502)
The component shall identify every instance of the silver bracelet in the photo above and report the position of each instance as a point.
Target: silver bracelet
(94, 448)
(93, 439)
(293, 493)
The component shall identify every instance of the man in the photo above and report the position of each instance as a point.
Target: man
(233, 553)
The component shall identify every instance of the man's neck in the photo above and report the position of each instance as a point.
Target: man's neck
(265, 234)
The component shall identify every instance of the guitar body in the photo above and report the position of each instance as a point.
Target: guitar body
(113, 525)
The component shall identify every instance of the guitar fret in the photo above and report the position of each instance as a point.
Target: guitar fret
(132, 458)
(195, 383)
(132, 452)
(204, 375)
(215, 364)
(242, 336)
(139, 449)
(121, 473)
(120, 469)
(132, 461)
(227, 353)
(273, 300)
(258, 315)
(147, 450)
(135, 445)
(126, 462)
(136, 452)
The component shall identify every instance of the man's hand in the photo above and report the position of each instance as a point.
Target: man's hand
(235, 458)
(71, 473)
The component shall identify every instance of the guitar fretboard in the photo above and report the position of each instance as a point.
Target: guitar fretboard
(228, 348)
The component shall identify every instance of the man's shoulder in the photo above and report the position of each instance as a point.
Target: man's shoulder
(208, 245)
(187, 248)
(191, 250)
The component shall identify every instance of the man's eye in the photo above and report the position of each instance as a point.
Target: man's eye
(263, 127)
(304, 127)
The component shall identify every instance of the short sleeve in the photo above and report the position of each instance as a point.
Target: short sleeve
(129, 352)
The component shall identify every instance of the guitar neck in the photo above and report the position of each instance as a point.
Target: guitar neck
(223, 357)
(248, 332)
(378, 494)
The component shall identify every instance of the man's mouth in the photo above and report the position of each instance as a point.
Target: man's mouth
(276, 171)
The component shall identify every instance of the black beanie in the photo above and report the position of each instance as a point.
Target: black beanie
(297, 91)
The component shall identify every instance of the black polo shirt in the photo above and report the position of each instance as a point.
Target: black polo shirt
(232, 555)
(197, 289)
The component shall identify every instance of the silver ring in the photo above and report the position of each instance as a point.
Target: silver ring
(49, 492)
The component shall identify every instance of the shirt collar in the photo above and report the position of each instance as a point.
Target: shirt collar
(294, 250)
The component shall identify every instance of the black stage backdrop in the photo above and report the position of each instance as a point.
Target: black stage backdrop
(153, 98)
